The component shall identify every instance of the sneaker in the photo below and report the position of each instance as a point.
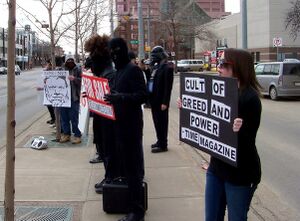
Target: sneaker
(64, 138)
(76, 140)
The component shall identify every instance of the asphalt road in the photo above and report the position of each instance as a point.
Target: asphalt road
(278, 143)
(28, 103)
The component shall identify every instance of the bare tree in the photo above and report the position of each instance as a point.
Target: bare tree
(292, 20)
(10, 122)
(181, 19)
(87, 19)
(57, 26)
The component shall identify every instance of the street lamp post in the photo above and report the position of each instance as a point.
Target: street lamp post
(141, 30)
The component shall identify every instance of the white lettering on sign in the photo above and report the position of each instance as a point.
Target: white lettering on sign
(195, 85)
(194, 103)
(218, 88)
(220, 110)
(209, 144)
(205, 124)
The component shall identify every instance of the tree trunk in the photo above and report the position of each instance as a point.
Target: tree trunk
(76, 30)
(10, 118)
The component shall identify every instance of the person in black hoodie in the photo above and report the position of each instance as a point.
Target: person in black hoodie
(104, 129)
(129, 93)
(226, 184)
(160, 87)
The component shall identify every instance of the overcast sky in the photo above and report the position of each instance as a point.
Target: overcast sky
(35, 7)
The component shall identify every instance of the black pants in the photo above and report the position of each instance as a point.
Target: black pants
(51, 111)
(133, 163)
(161, 122)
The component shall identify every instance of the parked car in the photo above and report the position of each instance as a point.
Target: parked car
(279, 79)
(17, 70)
(3, 70)
(190, 65)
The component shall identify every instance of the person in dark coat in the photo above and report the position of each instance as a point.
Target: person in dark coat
(104, 129)
(128, 96)
(160, 87)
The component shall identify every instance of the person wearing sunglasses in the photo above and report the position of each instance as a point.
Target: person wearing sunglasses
(227, 185)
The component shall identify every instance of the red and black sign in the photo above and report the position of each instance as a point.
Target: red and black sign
(96, 88)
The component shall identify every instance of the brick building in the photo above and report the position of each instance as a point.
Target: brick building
(127, 27)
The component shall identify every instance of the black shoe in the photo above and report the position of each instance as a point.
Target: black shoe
(159, 149)
(100, 184)
(132, 217)
(50, 122)
(97, 159)
(155, 145)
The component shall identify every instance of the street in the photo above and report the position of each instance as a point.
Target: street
(277, 144)
(28, 105)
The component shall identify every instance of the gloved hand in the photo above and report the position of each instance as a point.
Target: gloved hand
(114, 97)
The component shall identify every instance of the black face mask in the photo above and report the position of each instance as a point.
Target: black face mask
(119, 52)
(70, 65)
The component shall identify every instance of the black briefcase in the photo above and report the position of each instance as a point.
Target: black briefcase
(116, 196)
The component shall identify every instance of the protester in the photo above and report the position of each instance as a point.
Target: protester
(132, 57)
(226, 184)
(104, 129)
(160, 87)
(128, 96)
(71, 114)
(144, 65)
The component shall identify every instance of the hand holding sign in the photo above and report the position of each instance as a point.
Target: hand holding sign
(237, 124)
(113, 98)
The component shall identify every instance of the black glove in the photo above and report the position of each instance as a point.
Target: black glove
(114, 97)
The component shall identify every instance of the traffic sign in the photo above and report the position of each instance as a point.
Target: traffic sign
(277, 42)
(134, 42)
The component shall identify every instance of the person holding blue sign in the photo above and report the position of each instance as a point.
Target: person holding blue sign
(227, 185)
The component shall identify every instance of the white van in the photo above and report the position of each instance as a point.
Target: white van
(190, 65)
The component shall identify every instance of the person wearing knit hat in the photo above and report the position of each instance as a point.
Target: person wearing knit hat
(71, 114)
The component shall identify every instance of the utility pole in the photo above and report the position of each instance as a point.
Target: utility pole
(3, 43)
(141, 30)
(148, 30)
(244, 24)
(9, 206)
(112, 18)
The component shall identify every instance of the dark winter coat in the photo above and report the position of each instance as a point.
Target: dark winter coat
(248, 170)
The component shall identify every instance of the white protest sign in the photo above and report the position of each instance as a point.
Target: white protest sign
(57, 88)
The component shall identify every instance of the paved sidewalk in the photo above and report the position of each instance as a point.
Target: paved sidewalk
(62, 175)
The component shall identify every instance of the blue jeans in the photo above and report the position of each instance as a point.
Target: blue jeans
(219, 193)
(70, 114)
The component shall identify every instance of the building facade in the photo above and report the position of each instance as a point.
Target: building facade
(127, 27)
(265, 22)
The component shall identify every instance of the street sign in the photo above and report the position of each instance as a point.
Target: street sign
(277, 42)
(134, 42)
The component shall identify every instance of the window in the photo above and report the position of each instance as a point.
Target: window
(291, 69)
(267, 69)
(257, 56)
(275, 69)
(259, 69)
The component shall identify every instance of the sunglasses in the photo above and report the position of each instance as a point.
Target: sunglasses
(225, 64)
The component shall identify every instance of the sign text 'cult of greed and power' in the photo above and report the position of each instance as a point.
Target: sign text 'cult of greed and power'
(209, 106)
